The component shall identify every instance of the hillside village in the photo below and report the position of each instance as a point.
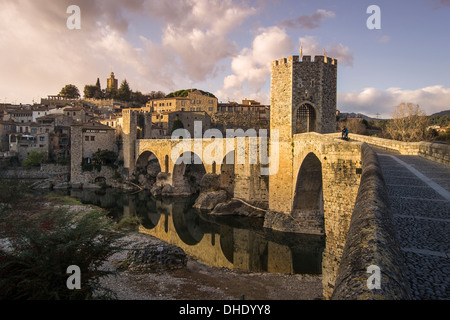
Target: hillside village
(46, 128)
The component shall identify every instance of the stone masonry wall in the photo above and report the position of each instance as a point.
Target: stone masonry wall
(234, 120)
(371, 240)
(315, 82)
(341, 174)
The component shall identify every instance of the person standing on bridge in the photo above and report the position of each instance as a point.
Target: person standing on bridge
(344, 133)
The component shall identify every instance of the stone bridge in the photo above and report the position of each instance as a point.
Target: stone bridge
(309, 184)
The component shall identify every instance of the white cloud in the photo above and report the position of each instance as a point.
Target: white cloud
(371, 101)
(197, 31)
(251, 67)
(43, 55)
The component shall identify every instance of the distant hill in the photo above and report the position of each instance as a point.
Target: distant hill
(442, 113)
(355, 115)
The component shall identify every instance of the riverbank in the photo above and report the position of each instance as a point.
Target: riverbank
(197, 281)
(193, 281)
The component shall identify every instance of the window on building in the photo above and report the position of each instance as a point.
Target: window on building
(41, 138)
(92, 138)
(199, 102)
(210, 108)
(86, 138)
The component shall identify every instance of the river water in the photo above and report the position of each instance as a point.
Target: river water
(231, 242)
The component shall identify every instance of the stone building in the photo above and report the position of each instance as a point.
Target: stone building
(78, 114)
(88, 138)
(195, 101)
(245, 108)
(112, 84)
(249, 114)
(57, 101)
(6, 128)
(20, 115)
(188, 118)
(23, 144)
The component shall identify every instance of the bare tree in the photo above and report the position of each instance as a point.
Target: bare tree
(355, 125)
(409, 123)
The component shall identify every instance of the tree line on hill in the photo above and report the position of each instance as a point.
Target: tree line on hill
(408, 123)
(123, 93)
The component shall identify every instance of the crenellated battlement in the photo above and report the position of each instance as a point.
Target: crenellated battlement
(306, 59)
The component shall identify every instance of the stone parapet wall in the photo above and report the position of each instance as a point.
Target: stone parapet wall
(371, 241)
(433, 151)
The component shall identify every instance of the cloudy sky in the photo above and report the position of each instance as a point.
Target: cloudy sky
(226, 46)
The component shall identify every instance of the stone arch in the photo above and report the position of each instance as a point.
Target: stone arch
(101, 180)
(188, 171)
(227, 173)
(305, 118)
(308, 197)
(147, 168)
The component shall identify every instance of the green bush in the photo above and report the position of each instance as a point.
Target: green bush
(34, 159)
(42, 250)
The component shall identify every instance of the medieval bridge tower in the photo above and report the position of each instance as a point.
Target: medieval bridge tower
(303, 99)
(303, 95)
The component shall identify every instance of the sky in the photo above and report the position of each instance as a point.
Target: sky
(226, 47)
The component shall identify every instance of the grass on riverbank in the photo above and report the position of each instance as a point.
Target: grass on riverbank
(63, 200)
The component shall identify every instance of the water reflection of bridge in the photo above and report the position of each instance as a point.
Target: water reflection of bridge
(248, 247)
(216, 241)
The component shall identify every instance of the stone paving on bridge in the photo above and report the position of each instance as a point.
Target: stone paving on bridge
(419, 192)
